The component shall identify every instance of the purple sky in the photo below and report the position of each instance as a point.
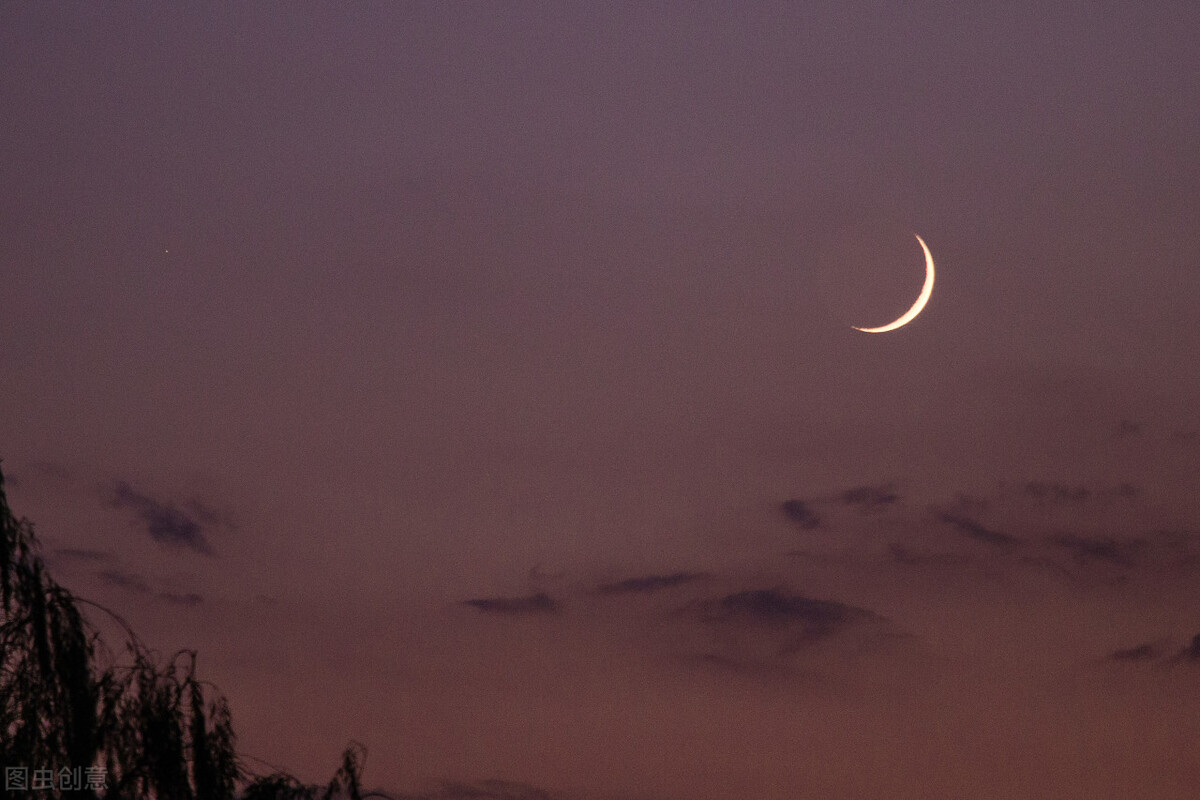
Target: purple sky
(316, 324)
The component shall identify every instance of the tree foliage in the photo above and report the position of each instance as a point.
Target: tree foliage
(154, 729)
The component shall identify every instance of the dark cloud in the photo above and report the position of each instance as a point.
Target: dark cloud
(798, 512)
(650, 583)
(189, 599)
(165, 522)
(776, 607)
(540, 603)
(973, 529)
(870, 498)
(761, 629)
(124, 580)
(1192, 651)
(1100, 548)
(1143, 652)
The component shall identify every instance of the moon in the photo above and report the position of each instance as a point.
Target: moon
(922, 299)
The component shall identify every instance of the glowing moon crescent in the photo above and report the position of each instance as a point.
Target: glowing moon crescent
(926, 292)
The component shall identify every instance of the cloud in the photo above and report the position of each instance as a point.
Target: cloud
(650, 583)
(973, 529)
(757, 632)
(124, 580)
(540, 603)
(1143, 652)
(165, 522)
(803, 619)
(777, 607)
(1192, 651)
(798, 512)
(189, 599)
(870, 498)
(1106, 548)
(136, 584)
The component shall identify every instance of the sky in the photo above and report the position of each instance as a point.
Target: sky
(477, 382)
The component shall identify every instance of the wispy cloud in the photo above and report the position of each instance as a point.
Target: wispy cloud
(540, 603)
(136, 584)
(80, 554)
(777, 607)
(761, 631)
(1143, 652)
(973, 529)
(870, 498)
(650, 583)
(1100, 548)
(166, 522)
(124, 580)
(800, 513)
(1192, 651)
(188, 599)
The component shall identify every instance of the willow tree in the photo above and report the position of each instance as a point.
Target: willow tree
(70, 710)
(107, 726)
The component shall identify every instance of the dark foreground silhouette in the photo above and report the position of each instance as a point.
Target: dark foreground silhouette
(78, 721)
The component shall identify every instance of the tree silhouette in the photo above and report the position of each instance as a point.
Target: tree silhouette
(107, 729)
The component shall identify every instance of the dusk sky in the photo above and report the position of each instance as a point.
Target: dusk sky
(477, 382)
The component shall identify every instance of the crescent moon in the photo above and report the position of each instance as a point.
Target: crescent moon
(922, 299)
